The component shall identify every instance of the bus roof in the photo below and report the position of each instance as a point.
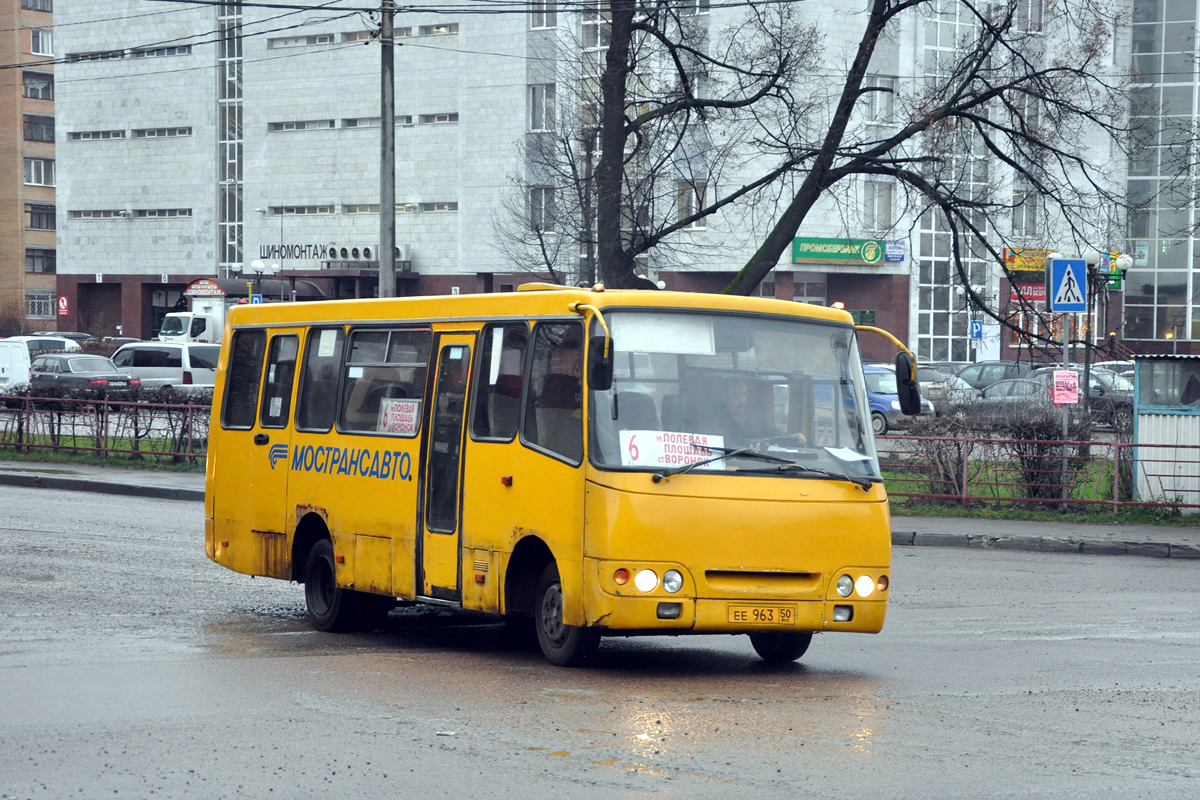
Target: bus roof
(542, 301)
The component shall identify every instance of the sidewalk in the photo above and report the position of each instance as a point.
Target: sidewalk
(1157, 541)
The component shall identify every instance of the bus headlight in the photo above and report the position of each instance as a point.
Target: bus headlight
(845, 585)
(646, 580)
(672, 581)
(864, 585)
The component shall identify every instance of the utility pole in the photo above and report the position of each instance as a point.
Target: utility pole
(387, 148)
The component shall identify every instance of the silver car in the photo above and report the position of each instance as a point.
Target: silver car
(178, 364)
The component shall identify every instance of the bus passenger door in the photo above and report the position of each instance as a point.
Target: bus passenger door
(441, 529)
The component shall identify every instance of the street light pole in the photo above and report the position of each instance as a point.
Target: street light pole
(387, 148)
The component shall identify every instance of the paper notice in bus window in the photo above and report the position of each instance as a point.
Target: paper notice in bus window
(668, 448)
(326, 343)
(398, 416)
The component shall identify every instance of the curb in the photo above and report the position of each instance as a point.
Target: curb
(1047, 544)
(100, 487)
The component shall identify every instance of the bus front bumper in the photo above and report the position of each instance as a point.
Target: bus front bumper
(661, 615)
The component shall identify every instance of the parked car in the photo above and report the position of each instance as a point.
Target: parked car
(934, 385)
(78, 336)
(14, 367)
(1122, 368)
(883, 395)
(81, 375)
(178, 364)
(46, 344)
(947, 367)
(984, 373)
(1110, 396)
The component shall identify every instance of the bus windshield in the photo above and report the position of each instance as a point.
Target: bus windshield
(688, 386)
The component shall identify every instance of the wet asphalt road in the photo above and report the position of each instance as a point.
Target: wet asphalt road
(130, 666)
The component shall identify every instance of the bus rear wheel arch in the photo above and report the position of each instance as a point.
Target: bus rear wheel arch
(562, 645)
(780, 648)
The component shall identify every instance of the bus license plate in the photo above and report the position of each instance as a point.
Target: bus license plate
(763, 615)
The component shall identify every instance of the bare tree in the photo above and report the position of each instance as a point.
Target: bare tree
(1001, 128)
(653, 112)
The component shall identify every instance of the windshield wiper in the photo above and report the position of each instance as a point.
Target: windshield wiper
(862, 483)
(747, 452)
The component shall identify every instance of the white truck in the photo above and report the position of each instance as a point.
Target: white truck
(204, 323)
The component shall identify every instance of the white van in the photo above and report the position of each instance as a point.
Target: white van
(178, 364)
(14, 367)
(46, 344)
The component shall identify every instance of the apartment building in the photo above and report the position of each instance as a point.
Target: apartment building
(27, 167)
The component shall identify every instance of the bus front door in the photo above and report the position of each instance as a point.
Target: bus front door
(441, 534)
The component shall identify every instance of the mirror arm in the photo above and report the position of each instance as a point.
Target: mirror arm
(584, 308)
(895, 341)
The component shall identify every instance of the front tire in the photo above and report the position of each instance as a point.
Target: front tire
(563, 645)
(329, 608)
(780, 648)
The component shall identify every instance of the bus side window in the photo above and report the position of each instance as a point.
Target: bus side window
(277, 389)
(317, 404)
(241, 384)
(497, 403)
(385, 366)
(554, 411)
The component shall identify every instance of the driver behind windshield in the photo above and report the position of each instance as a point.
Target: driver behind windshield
(741, 425)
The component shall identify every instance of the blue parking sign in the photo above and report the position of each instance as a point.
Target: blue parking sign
(976, 329)
(256, 299)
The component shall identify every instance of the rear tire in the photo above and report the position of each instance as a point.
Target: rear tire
(780, 648)
(329, 608)
(563, 645)
(878, 423)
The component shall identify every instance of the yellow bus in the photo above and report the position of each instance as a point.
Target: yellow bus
(584, 461)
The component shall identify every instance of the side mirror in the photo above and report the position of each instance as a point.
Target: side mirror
(600, 368)
(907, 388)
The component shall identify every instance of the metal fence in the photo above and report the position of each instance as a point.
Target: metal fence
(153, 433)
(966, 471)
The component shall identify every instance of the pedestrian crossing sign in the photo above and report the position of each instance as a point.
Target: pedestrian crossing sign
(1066, 284)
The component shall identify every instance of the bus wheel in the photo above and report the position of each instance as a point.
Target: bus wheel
(329, 608)
(780, 648)
(563, 645)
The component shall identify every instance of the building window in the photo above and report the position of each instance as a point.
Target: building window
(877, 205)
(404, 120)
(38, 259)
(38, 128)
(544, 14)
(360, 208)
(808, 287)
(96, 55)
(98, 213)
(39, 217)
(1029, 15)
(41, 42)
(439, 30)
(160, 133)
(361, 122)
(157, 52)
(357, 36)
(304, 125)
(163, 212)
(881, 105)
(38, 5)
(39, 85)
(92, 136)
(300, 210)
(694, 7)
(541, 208)
(39, 304)
(39, 172)
(301, 41)
(541, 107)
(438, 119)
(1025, 214)
(443, 206)
(690, 199)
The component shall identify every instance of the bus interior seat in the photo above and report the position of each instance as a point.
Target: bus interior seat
(559, 415)
(504, 404)
(635, 411)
